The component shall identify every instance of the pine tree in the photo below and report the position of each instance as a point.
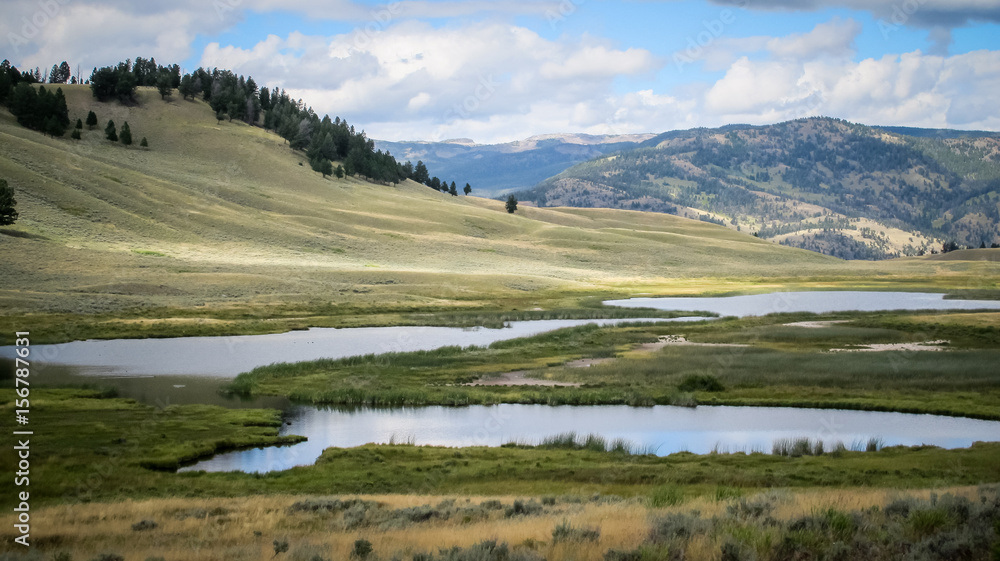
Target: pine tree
(511, 204)
(339, 172)
(79, 124)
(165, 84)
(468, 189)
(143, 143)
(126, 134)
(453, 190)
(76, 134)
(110, 132)
(8, 215)
(187, 88)
(420, 174)
(91, 120)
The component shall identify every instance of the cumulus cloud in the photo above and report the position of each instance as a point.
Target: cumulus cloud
(480, 75)
(833, 39)
(914, 89)
(97, 33)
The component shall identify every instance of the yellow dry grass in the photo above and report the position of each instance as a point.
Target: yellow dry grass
(245, 528)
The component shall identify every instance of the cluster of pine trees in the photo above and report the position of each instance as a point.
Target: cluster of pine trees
(324, 140)
(39, 109)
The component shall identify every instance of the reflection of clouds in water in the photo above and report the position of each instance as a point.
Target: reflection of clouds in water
(666, 429)
(228, 356)
(816, 302)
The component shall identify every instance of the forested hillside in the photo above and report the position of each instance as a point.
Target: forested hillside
(824, 184)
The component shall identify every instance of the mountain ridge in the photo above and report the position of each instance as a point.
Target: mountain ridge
(823, 184)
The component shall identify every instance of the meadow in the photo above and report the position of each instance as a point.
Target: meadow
(220, 229)
(761, 361)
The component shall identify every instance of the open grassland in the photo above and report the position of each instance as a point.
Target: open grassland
(218, 229)
(944, 524)
(749, 361)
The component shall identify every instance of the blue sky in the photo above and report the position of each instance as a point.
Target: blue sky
(498, 71)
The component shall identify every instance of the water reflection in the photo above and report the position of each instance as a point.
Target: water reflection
(820, 302)
(662, 428)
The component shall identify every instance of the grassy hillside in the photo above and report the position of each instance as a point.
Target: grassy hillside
(224, 220)
(827, 185)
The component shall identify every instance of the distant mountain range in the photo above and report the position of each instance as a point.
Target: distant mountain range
(844, 189)
(494, 169)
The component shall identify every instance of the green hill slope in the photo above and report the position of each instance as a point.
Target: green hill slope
(828, 185)
(223, 217)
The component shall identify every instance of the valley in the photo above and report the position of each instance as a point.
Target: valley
(220, 229)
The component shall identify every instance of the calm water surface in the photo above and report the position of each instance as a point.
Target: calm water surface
(664, 429)
(815, 302)
(225, 357)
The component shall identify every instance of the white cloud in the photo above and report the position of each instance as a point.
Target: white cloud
(910, 89)
(833, 39)
(98, 33)
(482, 76)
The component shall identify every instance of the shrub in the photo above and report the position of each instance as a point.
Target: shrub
(362, 549)
(677, 526)
(109, 557)
(564, 532)
(144, 525)
(926, 522)
(701, 382)
(521, 508)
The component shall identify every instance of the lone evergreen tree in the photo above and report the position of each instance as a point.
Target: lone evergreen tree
(110, 132)
(126, 134)
(143, 143)
(511, 204)
(75, 135)
(468, 189)
(79, 124)
(91, 120)
(8, 215)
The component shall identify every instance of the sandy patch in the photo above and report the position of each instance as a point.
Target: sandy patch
(519, 378)
(883, 347)
(816, 324)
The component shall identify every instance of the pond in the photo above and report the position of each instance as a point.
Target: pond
(661, 430)
(820, 302)
(225, 357)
